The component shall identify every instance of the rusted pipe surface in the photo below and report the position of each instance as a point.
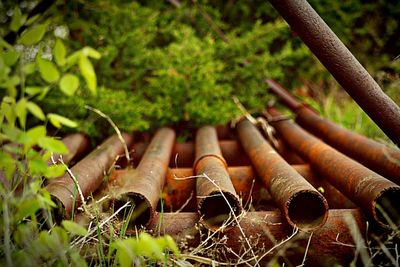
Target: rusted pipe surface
(217, 200)
(331, 244)
(341, 63)
(181, 226)
(364, 187)
(89, 173)
(143, 186)
(287, 154)
(378, 157)
(301, 203)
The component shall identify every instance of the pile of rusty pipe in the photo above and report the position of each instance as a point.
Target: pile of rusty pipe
(376, 156)
(183, 154)
(88, 172)
(180, 193)
(142, 186)
(330, 245)
(341, 63)
(367, 189)
(302, 205)
(217, 200)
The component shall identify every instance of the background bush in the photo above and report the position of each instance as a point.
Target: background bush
(167, 64)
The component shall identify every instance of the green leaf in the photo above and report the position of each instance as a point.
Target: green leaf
(74, 228)
(33, 35)
(36, 133)
(7, 163)
(20, 110)
(34, 90)
(10, 57)
(32, 19)
(52, 145)
(150, 247)
(37, 166)
(35, 110)
(73, 58)
(88, 73)
(29, 68)
(54, 171)
(27, 208)
(17, 20)
(91, 52)
(69, 83)
(57, 120)
(59, 52)
(48, 70)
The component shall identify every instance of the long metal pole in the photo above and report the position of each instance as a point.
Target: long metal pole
(341, 63)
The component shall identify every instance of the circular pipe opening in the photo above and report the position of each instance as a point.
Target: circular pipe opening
(215, 209)
(386, 213)
(138, 212)
(307, 210)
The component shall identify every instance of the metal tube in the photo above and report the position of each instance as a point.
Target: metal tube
(89, 173)
(332, 244)
(302, 205)
(217, 200)
(341, 63)
(367, 189)
(378, 157)
(143, 186)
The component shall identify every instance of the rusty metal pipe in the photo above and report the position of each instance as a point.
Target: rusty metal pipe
(89, 173)
(330, 245)
(143, 186)
(367, 189)
(301, 203)
(378, 157)
(217, 200)
(341, 63)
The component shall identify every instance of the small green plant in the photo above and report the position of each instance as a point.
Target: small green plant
(36, 65)
(138, 249)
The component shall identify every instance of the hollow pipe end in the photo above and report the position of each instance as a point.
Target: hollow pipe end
(216, 210)
(385, 209)
(139, 212)
(307, 210)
